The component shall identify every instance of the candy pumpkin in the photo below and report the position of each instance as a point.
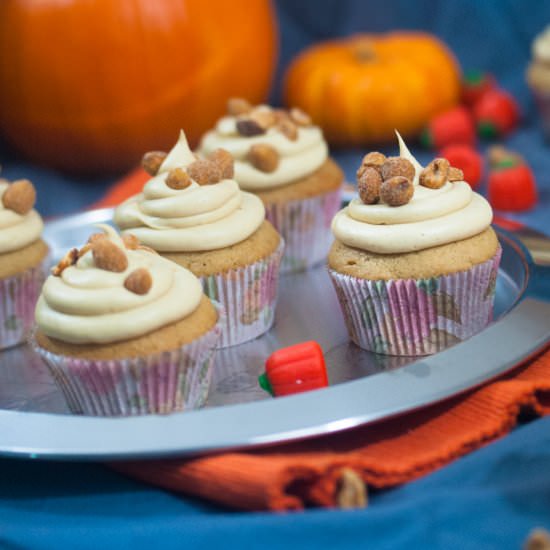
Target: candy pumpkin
(87, 86)
(360, 89)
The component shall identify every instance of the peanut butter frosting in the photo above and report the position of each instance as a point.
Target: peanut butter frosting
(541, 46)
(196, 218)
(17, 230)
(86, 304)
(432, 217)
(298, 157)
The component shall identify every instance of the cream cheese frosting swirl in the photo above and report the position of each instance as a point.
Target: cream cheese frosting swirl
(197, 218)
(88, 305)
(298, 158)
(432, 217)
(17, 230)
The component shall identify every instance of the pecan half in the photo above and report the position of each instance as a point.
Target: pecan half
(263, 157)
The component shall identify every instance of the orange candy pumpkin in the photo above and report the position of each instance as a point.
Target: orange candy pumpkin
(87, 86)
(362, 88)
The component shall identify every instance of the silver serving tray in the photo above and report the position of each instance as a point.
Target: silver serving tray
(364, 387)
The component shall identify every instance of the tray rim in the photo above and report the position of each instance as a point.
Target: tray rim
(303, 402)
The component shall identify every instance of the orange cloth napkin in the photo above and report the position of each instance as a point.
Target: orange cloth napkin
(307, 473)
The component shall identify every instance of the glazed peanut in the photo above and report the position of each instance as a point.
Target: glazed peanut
(368, 185)
(435, 175)
(396, 191)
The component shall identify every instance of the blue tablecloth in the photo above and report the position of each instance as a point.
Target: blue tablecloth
(489, 499)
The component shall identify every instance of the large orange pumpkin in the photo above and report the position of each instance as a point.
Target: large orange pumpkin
(362, 88)
(87, 86)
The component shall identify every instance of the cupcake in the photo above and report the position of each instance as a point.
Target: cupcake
(125, 331)
(415, 261)
(538, 77)
(283, 159)
(193, 213)
(23, 260)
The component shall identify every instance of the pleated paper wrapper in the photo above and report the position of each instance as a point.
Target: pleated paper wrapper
(305, 227)
(159, 383)
(248, 296)
(417, 316)
(18, 297)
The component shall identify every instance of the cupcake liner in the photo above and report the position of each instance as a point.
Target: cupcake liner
(248, 295)
(159, 383)
(417, 316)
(305, 227)
(18, 297)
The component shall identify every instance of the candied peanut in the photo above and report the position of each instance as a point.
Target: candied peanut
(263, 157)
(371, 160)
(368, 185)
(109, 256)
(130, 241)
(287, 128)
(455, 174)
(237, 106)
(225, 163)
(299, 117)
(396, 191)
(20, 197)
(397, 166)
(139, 281)
(178, 179)
(204, 172)
(152, 161)
(435, 175)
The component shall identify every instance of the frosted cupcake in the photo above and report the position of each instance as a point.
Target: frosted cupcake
(283, 159)
(415, 260)
(193, 213)
(538, 76)
(125, 331)
(23, 260)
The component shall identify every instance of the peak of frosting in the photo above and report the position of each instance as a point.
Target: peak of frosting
(88, 304)
(195, 218)
(179, 156)
(406, 154)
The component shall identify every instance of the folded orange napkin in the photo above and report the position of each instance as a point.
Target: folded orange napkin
(308, 473)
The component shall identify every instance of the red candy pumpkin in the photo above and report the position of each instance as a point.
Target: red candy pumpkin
(295, 369)
(452, 126)
(496, 113)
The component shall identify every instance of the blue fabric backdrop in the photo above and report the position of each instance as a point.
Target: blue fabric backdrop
(490, 499)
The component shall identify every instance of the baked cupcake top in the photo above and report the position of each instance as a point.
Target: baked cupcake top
(190, 204)
(20, 224)
(404, 207)
(112, 290)
(271, 147)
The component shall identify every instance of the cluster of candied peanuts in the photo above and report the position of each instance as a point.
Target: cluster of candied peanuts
(218, 166)
(390, 179)
(109, 257)
(256, 121)
(20, 196)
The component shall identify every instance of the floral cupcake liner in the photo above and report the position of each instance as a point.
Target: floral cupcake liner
(249, 297)
(417, 316)
(159, 383)
(305, 227)
(18, 297)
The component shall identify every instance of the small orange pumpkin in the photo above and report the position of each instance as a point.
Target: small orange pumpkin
(87, 86)
(360, 89)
